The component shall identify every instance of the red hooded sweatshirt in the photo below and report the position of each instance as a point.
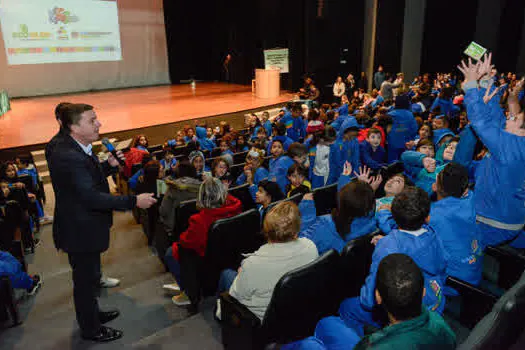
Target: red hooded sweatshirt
(196, 236)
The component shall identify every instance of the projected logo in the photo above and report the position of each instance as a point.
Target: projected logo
(62, 34)
(23, 33)
(59, 15)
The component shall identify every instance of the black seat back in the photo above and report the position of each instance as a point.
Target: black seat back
(182, 217)
(236, 170)
(511, 264)
(356, 259)
(325, 199)
(154, 148)
(243, 194)
(239, 157)
(228, 240)
(502, 327)
(300, 299)
(135, 167)
(179, 150)
(216, 152)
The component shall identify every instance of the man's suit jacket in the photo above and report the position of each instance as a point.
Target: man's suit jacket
(84, 206)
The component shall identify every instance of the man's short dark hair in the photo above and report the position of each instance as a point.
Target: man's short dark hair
(400, 283)
(410, 208)
(452, 180)
(72, 113)
(297, 107)
(59, 109)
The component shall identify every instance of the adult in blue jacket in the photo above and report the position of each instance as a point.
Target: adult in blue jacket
(404, 128)
(353, 218)
(204, 141)
(500, 175)
(413, 238)
(453, 217)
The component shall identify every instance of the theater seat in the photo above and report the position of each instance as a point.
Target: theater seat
(236, 170)
(475, 302)
(228, 240)
(300, 299)
(325, 199)
(182, 217)
(216, 152)
(154, 148)
(502, 327)
(356, 259)
(148, 220)
(179, 150)
(239, 157)
(8, 307)
(511, 264)
(243, 194)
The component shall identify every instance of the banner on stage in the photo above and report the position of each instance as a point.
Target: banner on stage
(276, 58)
(60, 31)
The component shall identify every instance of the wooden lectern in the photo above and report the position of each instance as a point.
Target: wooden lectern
(267, 83)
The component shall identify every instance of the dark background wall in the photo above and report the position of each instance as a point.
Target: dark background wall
(329, 42)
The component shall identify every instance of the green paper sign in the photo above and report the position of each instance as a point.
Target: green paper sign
(475, 51)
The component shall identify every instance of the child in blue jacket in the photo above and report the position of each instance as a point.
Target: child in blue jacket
(266, 123)
(372, 154)
(295, 125)
(12, 268)
(324, 158)
(414, 238)
(279, 134)
(453, 217)
(254, 172)
(500, 179)
(297, 153)
(202, 137)
(404, 128)
(353, 218)
(348, 144)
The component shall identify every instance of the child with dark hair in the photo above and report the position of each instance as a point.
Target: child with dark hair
(169, 161)
(414, 238)
(400, 289)
(295, 125)
(240, 144)
(140, 142)
(147, 183)
(453, 217)
(298, 177)
(279, 134)
(267, 193)
(324, 158)
(189, 134)
(254, 125)
(353, 217)
(276, 152)
(266, 123)
(372, 154)
(297, 153)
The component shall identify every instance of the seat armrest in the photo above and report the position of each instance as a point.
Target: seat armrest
(232, 311)
(240, 328)
(475, 302)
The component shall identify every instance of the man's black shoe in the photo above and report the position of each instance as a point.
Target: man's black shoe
(105, 334)
(106, 316)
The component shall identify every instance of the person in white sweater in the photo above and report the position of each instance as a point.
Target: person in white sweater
(259, 273)
(339, 89)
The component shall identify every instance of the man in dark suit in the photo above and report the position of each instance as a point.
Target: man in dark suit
(83, 212)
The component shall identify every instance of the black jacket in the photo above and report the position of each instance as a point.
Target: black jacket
(84, 206)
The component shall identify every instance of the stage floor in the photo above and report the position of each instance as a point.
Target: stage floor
(31, 120)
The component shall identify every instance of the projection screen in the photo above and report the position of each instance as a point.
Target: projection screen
(62, 46)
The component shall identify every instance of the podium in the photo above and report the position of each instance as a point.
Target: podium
(267, 83)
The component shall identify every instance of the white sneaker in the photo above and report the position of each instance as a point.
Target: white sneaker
(174, 287)
(108, 282)
(181, 299)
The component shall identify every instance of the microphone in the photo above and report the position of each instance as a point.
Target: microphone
(109, 146)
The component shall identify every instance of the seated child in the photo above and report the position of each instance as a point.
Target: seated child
(372, 154)
(266, 123)
(168, 162)
(297, 175)
(266, 193)
(189, 134)
(240, 144)
(253, 170)
(297, 153)
(206, 143)
(400, 291)
(410, 210)
(140, 142)
(12, 268)
(276, 151)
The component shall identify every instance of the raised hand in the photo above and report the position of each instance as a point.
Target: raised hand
(364, 174)
(429, 164)
(376, 182)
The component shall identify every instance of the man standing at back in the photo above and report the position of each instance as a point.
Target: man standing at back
(83, 213)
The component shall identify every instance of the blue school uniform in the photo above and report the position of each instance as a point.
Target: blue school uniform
(260, 174)
(285, 140)
(372, 159)
(322, 231)
(446, 106)
(295, 127)
(500, 179)
(279, 172)
(379, 99)
(172, 163)
(454, 220)
(12, 268)
(253, 135)
(268, 128)
(413, 162)
(424, 248)
(333, 164)
(404, 129)
(439, 134)
(31, 172)
(205, 143)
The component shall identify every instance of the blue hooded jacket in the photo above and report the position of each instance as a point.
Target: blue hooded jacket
(425, 250)
(12, 268)
(295, 127)
(454, 220)
(439, 134)
(279, 171)
(446, 106)
(372, 159)
(205, 143)
(322, 231)
(333, 165)
(268, 127)
(404, 128)
(500, 179)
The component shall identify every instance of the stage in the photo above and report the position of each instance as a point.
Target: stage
(31, 121)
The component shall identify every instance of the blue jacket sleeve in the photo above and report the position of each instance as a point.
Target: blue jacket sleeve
(503, 146)
(278, 175)
(260, 174)
(413, 162)
(383, 249)
(12, 268)
(253, 190)
(385, 221)
(367, 157)
(308, 213)
(241, 179)
(132, 182)
(466, 147)
(355, 157)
